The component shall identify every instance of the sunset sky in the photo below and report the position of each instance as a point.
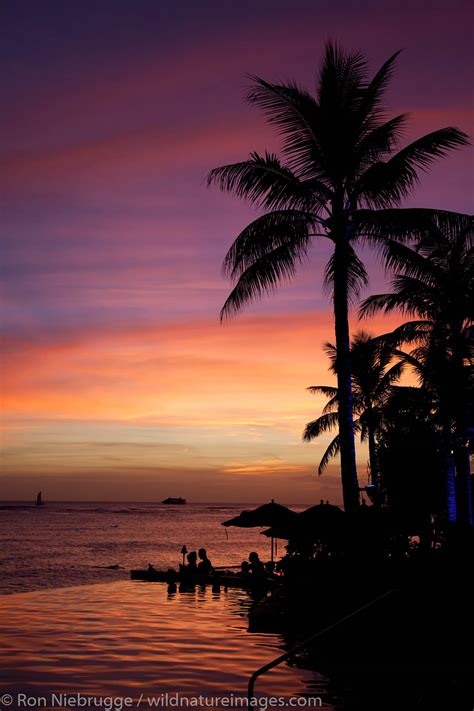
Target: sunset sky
(118, 380)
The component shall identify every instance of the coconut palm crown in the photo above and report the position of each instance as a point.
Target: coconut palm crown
(339, 177)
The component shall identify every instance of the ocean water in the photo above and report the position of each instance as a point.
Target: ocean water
(72, 626)
(64, 544)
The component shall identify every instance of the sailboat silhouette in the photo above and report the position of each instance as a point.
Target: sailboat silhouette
(39, 501)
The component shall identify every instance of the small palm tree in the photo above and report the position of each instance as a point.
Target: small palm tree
(373, 379)
(338, 175)
(435, 283)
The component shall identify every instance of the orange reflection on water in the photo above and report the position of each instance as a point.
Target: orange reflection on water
(125, 638)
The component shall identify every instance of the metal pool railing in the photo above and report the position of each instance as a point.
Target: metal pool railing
(283, 657)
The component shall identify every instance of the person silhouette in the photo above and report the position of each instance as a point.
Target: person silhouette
(192, 562)
(256, 566)
(205, 565)
(187, 572)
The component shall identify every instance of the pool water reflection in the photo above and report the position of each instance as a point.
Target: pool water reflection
(125, 639)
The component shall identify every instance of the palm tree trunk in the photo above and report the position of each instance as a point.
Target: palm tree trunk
(350, 484)
(374, 470)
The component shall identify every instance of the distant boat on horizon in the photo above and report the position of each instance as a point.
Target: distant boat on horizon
(171, 500)
(39, 500)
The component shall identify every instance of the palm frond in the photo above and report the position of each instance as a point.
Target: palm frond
(323, 424)
(332, 405)
(417, 297)
(415, 362)
(378, 142)
(326, 390)
(296, 115)
(263, 276)
(341, 79)
(385, 184)
(409, 297)
(407, 332)
(377, 302)
(266, 182)
(409, 224)
(390, 377)
(448, 228)
(329, 392)
(371, 107)
(398, 224)
(265, 234)
(400, 257)
(332, 451)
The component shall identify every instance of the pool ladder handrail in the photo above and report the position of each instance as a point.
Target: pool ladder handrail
(283, 657)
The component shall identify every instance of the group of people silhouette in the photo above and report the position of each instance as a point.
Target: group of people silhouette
(255, 571)
(252, 568)
(204, 567)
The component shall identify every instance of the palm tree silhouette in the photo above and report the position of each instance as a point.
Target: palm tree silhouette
(337, 156)
(435, 283)
(373, 379)
(410, 455)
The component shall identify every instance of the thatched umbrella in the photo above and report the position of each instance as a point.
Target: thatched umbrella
(271, 514)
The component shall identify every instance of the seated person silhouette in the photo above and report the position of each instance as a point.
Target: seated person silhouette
(257, 569)
(205, 565)
(191, 567)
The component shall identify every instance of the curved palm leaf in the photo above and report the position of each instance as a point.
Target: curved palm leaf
(414, 265)
(323, 424)
(297, 115)
(264, 181)
(371, 108)
(329, 392)
(263, 276)
(326, 390)
(389, 378)
(408, 332)
(379, 141)
(403, 224)
(265, 234)
(332, 451)
(385, 184)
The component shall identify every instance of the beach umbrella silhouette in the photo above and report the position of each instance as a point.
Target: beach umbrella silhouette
(320, 520)
(271, 514)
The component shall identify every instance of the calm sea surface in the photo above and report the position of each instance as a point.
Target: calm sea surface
(71, 625)
(63, 544)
